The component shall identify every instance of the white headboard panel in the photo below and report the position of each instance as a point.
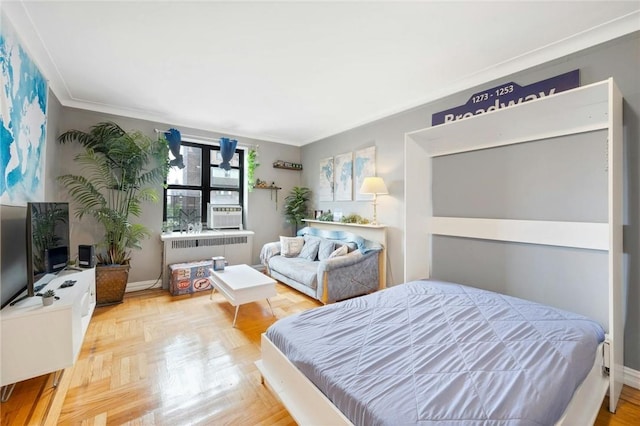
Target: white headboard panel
(596, 107)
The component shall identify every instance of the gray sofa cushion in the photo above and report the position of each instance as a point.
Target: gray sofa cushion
(310, 248)
(296, 268)
(340, 251)
(291, 246)
(325, 249)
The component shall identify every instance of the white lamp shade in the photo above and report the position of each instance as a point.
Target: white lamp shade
(373, 185)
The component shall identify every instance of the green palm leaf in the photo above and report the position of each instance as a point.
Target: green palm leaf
(120, 171)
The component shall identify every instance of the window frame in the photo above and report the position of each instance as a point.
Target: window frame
(208, 151)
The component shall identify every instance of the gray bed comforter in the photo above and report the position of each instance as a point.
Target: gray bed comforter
(430, 352)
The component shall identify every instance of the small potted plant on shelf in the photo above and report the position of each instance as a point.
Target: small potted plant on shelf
(355, 218)
(47, 297)
(326, 216)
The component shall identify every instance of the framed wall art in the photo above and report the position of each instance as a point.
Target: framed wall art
(364, 166)
(325, 179)
(23, 123)
(343, 177)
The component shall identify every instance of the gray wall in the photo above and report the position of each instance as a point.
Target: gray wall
(557, 179)
(264, 216)
(501, 183)
(619, 59)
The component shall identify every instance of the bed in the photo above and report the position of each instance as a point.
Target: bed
(434, 351)
(313, 393)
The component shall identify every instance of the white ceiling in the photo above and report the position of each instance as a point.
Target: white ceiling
(295, 72)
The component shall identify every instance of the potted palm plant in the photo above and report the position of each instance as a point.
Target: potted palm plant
(120, 170)
(295, 206)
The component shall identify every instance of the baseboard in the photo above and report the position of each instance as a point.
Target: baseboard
(631, 377)
(143, 285)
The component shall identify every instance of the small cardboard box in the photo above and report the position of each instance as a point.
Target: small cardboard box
(190, 277)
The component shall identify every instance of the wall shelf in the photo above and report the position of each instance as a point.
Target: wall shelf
(273, 189)
(357, 225)
(279, 164)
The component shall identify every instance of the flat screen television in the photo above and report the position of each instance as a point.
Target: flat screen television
(47, 242)
(13, 262)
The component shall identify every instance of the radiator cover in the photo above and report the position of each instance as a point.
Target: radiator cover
(235, 246)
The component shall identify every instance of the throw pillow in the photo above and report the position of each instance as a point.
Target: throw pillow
(291, 246)
(325, 249)
(340, 251)
(310, 248)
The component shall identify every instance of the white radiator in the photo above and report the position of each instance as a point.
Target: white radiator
(235, 246)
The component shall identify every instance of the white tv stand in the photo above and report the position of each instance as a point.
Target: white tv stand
(39, 339)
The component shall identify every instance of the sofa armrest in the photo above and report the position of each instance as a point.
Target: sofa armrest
(268, 251)
(347, 260)
(347, 276)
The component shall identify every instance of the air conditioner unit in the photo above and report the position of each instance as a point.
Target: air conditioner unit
(224, 216)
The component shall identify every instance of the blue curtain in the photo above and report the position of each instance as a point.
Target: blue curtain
(175, 139)
(227, 149)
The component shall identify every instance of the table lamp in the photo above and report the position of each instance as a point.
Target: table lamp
(374, 185)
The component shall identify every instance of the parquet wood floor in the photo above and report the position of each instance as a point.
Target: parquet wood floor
(162, 360)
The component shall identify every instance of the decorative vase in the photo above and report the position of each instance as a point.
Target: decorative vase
(111, 282)
(46, 301)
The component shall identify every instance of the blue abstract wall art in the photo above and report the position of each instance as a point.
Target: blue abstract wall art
(23, 122)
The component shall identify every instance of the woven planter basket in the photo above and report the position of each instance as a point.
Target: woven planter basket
(111, 282)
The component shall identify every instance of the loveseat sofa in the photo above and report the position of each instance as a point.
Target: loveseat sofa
(326, 265)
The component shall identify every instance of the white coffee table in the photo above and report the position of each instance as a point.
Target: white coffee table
(242, 284)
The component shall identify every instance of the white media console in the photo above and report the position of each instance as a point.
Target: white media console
(39, 339)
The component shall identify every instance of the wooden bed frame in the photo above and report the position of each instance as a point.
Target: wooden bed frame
(594, 107)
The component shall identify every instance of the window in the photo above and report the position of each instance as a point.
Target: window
(189, 190)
